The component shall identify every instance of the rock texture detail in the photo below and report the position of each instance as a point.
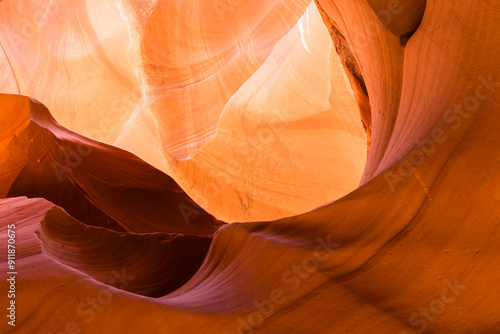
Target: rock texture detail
(243, 167)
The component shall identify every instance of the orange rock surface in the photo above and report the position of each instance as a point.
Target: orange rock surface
(233, 167)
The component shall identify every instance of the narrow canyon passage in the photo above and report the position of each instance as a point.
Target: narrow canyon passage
(235, 167)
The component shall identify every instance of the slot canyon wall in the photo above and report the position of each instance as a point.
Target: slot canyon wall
(241, 167)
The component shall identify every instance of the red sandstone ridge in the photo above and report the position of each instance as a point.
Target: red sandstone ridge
(99, 184)
(108, 236)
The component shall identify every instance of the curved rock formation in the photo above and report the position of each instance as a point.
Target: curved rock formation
(413, 249)
(96, 183)
(151, 69)
(196, 56)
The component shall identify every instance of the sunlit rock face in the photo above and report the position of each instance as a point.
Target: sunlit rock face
(292, 125)
(162, 79)
(354, 143)
(57, 41)
(196, 56)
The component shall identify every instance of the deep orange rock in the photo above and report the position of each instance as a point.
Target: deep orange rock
(96, 183)
(413, 249)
